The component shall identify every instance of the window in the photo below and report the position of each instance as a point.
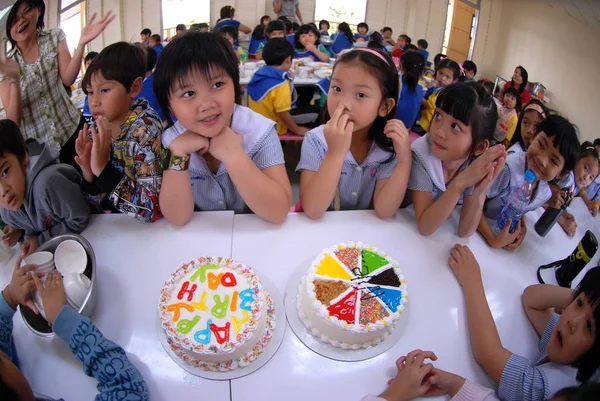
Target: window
(72, 21)
(337, 11)
(187, 12)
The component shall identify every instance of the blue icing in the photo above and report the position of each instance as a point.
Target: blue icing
(203, 336)
(391, 297)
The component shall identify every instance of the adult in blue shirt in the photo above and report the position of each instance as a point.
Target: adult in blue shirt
(227, 14)
(147, 91)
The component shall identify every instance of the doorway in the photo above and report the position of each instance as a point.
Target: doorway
(461, 27)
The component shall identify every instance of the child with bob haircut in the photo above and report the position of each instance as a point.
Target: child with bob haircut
(222, 156)
(306, 42)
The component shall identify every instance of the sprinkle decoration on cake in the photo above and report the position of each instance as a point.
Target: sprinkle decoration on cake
(352, 296)
(216, 314)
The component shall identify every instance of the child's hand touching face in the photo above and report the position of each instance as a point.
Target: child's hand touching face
(338, 132)
(397, 132)
(410, 381)
(18, 291)
(53, 295)
(188, 143)
(227, 145)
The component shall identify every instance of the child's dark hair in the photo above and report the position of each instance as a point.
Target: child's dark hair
(227, 12)
(406, 38)
(121, 62)
(303, 30)
(588, 391)
(471, 66)
(375, 42)
(410, 48)
(90, 56)
(564, 136)
(384, 70)
(146, 31)
(514, 93)
(229, 30)
(287, 24)
(413, 64)
(195, 27)
(534, 106)
(387, 29)
(590, 287)
(436, 60)
(12, 15)
(597, 142)
(422, 43)
(451, 65)
(203, 25)
(324, 22)
(11, 140)
(259, 32)
(525, 77)
(277, 50)
(181, 27)
(296, 25)
(156, 38)
(363, 25)
(195, 52)
(275, 25)
(488, 85)
(345, 29)
(469, 103)
(264, 18)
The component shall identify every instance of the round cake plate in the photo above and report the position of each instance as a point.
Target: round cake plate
(253, 366)
(325, 349)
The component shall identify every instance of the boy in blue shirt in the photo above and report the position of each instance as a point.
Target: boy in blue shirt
(147, 91)
(98, 354)
(422, 45)
(271, 91)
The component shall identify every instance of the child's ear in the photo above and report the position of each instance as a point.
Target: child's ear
(136, 87)
(386, 107)
(481, 147)
(25, 160)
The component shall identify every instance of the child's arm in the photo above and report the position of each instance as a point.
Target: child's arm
(102, 359)
(485, 341)
(540, 302)
(319, 179)
(134, 196)
(324, 57)
(63, 201)
(266, 191)
(287, 119)
(389, 192)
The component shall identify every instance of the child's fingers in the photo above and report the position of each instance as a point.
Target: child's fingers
(29, 303)
(38, 284)
(400, 363)
(336, 115)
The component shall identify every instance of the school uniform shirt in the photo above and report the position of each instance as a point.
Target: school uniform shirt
(409, 104)
(217, 191)
(291, 38)
(341, 43)
(147, 93)
(568, 181)
(301, 53)
(516, 148)
(270, 92)
(427, 173)
(324, 34)
(593, 190)
(359, 36)
(256, 46)
(428, 111)
(526, 380)
(425, 54)
(357, 182)
(227, 22)
(507, 124)
(508, 182)
(158, 48)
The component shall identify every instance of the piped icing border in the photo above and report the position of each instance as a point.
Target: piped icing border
(359, 283)
(246, 331)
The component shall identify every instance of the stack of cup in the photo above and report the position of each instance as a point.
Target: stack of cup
(45, 264)
(71, 260)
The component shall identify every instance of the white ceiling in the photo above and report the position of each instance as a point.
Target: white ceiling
(586, 11)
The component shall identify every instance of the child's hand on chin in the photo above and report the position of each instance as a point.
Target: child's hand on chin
(226, 144)
(187, 143)
(53, 295)
(411, 380)
(464, 265)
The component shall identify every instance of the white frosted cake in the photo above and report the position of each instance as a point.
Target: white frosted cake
(352, 296)
(216, 314)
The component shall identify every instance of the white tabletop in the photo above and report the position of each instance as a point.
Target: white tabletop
(133, 261)
(435, 299)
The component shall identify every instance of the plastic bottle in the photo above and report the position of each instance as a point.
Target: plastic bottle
(513, 209)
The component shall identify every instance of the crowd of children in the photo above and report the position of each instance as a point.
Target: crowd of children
(166, 135)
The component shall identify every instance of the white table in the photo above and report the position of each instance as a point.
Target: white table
(133, 261)
(435, 299)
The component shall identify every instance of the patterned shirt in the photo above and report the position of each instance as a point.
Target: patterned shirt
(48, 113)
(357, 181)
(130, 183)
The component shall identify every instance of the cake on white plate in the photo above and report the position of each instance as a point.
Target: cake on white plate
(216, 314)
(352, 296)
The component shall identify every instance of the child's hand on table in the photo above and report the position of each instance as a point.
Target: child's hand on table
(411, 380)
(464, 266)
(53, 295)
(593, 208)
(568, 223)
(443, 382)
(18, 291)
(11, 236)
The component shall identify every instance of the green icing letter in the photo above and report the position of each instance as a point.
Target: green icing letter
(220, 309)
(202, 272)
(186, 325)
(371, 262)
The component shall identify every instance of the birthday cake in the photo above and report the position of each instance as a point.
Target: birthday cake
(352, 296)
(216, 314)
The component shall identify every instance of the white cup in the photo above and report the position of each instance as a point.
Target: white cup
(303, 72)
(250, 65)
(42, 259)
(76, 287)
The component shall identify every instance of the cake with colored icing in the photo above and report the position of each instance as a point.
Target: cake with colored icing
(352, 296)
(216, 314)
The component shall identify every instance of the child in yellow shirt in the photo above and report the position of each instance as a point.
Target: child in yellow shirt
(447, 73)
(507, 116)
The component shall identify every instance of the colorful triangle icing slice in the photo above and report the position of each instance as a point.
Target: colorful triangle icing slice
(345, 308)
(329, 267)
(387, 277)
(390, 296)
(371, 310)
(371, 262)
(350, 257)
(327, 290)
